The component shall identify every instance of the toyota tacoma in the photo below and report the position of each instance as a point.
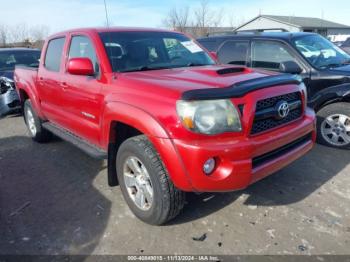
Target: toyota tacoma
(167, 117)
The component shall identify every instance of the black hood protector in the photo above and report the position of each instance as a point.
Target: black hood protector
(241, 88)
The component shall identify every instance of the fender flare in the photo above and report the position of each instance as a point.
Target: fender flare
(149, 126)
(130, 115)
(329, 95)
(32, 94)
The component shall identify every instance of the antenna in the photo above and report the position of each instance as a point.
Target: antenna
(109, 50)
(107, 21)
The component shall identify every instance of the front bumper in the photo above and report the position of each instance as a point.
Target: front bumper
(244, 160)
(9, 102)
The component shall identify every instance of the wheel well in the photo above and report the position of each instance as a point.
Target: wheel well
(23, 96)
(118, 133)
(346, 99)
(333, 101)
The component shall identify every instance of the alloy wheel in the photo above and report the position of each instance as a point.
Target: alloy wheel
(335, 129)
(31, 122)
(138, 183)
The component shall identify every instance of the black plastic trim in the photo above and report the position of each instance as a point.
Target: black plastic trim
(260, 160)
(241, 88)
(272, 111)
(82, 144)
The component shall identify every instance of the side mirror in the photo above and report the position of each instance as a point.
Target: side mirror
(290, 67)
(80, 66)
(214, 55)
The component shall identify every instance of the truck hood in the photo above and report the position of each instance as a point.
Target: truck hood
(182, 79)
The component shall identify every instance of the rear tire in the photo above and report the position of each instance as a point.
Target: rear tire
(34, 124)
(140, 170)
(333, 125)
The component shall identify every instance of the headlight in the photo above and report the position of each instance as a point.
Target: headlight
(209, 116)
(5, 84)
(305, 93)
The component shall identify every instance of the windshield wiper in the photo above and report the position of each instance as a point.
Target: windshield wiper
(144, 68)
(346, 62)
(331, 65)
(195, 64)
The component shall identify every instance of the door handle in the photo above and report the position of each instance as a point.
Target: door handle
(64, 85)
(41, 81)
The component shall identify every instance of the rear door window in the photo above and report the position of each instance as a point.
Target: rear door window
(269, 55)
(54, 52)
(234, 52)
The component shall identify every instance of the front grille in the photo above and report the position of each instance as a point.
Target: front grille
(257, 161)
(269, 120)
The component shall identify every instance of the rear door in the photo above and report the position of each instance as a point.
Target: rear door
(82, 98)
(49, 79)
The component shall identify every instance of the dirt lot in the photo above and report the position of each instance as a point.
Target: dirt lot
(54, 200)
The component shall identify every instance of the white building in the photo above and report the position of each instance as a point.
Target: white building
(295, 24)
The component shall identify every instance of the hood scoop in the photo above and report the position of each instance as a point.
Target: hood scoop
(231, 70)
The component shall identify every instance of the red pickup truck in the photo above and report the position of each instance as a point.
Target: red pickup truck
(168, 118)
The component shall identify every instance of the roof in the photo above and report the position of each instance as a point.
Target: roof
(300, 21)
(273, 35)
(111, 29)
(213, 28)
(18, 49)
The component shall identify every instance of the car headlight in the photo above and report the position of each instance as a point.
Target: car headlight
(304, 90)
(209, 116)
(5, 84)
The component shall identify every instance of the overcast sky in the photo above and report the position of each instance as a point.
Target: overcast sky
(64, 14)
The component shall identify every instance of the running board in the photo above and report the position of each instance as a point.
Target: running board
(82, 144)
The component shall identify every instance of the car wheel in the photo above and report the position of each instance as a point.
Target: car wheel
(33, 122)
(333, 125)
(145, 183)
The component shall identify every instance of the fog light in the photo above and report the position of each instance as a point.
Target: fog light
(209, 166)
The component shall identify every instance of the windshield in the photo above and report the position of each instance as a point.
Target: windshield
(320, 52)
(140, 51)
(9, 59)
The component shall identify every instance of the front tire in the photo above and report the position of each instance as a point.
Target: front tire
(33, 122)
(145, 183)
(333, 125)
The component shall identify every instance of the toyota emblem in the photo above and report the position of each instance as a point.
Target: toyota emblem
(282, 109)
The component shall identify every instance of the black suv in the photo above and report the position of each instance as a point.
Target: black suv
(324, 68)
(346, 45)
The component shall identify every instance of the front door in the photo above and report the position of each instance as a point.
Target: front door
(81, 97)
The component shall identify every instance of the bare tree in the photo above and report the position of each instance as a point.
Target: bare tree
(206, 17)
(177, 19)
(39, 32)
(19, 33)
(3, 35)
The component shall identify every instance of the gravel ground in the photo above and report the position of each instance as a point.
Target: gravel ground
(54, 199)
